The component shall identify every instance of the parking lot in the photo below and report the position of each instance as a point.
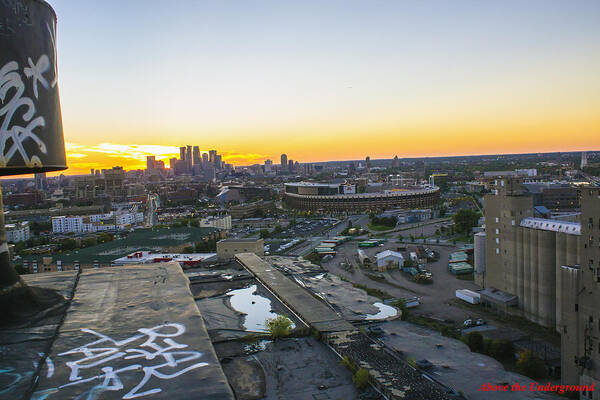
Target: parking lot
(436, 298)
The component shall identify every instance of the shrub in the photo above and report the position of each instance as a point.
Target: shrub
(361, 378)
(475, 341)
(530, 365)
(279, 327)
(502, 349)
(346, 362)
(401, 304)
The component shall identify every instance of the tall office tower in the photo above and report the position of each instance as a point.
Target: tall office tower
(159, 164)
(40, 181)
(92, 172)
(268, 166)
(580, 294)
(583, 159)
(290, 165)
(172, 163)
(284, 162)
(182, 153)
(204, 159)
(212, 154)
(368, 162)
(188, 158)
(150, 162)
(196, 155)
(395, 162)
(218, 161)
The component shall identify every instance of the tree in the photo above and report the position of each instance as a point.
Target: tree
(530, 365)
(475, 341)
(502, 349)
(465, 220)
(279, 327)
(361, 378)
(68, 244)
(264, 233)
(401, 304)
(89, 242)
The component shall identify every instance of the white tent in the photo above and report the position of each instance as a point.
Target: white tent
(389, 256)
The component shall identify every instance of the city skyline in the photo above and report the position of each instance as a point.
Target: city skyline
(326, 81)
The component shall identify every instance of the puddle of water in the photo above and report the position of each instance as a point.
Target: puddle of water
(257, 309)
(385, 311)
(320, 276)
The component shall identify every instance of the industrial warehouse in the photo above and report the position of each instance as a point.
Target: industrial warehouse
(352, 198)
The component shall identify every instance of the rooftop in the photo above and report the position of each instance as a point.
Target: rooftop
(570, 228)
(127, 333)
(140, 239)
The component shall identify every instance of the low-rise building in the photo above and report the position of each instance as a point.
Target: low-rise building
(17, 232)
(228, 248)
(149, 257)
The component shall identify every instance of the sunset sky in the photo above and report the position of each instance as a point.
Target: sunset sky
(326, 80)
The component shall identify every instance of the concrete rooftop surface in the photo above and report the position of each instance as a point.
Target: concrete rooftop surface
(129, 332)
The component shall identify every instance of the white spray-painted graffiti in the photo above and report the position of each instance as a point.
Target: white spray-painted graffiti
(157, 345)
(10, 78)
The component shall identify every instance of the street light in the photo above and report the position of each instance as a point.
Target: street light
(31, 135)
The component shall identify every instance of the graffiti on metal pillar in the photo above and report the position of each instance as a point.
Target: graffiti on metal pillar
(31, 137)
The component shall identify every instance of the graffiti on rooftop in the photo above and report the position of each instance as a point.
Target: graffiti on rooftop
(151, 356)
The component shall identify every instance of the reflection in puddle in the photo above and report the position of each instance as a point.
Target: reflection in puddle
(257, 309)
(385, 311)
(320, 276)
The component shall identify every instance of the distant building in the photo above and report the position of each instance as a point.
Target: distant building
(284, 162)
(228, 248)
(196, 155)
(150, 162)
(332, 197)
(95, 222)
(148, 257)
(40, 181)
(583, 160)
(18, 232)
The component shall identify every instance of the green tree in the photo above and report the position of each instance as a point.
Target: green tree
(401, 304)
(475, 341)
(89, 242)
(264, 233)
(502, 349)
(68, 244)
(531, 365)
(279, 327)
(20, 269)
(465, 220)
(361, 378)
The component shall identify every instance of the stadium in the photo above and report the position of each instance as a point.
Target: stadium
(329, 197)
